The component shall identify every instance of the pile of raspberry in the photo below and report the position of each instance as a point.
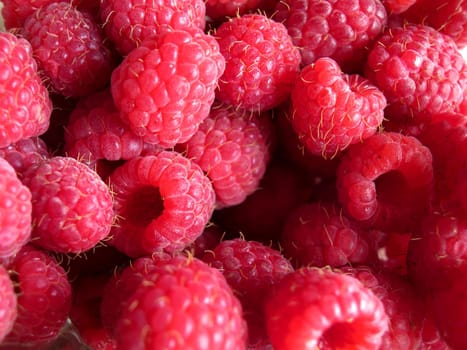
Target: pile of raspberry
(233, 175)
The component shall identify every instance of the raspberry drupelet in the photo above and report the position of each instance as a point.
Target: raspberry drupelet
(261, 62)
(331, 110)
(165, 87)
(8, 303)
(25, 106)
(163, 201)
(386, 181)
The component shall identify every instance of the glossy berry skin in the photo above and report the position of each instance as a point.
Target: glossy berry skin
(314, 307)
(25, 153)
(129, 23)
(165, 87)
(332, 110)
(70, 49)
(420, 71)
(164, 201)
(25, 105)
(8, 303)
(261, 62)
(15, 211)
(341, 30)
(72, 206)
(233, 147)
(182, 304)
(44, 298)
(386, 181)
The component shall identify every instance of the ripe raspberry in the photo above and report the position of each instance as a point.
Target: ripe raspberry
(397, 6)
(71, 206)
(165, 87)
(70, 49)
(420, 71)
(319, 308)
(164, 202)
(15, 211)
(318, 234)
(44, 298)
(8, 303)
(26, 107)
(232, 146)
(95, 132)
(341, 30)
(182, 304)
(250, 269)
(261, 62)
(129, 24)
(224, 9)
(332, 110)
(386, 181)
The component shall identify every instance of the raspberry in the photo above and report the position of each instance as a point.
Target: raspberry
(8, 303)
(318, 234)
(209, 239)
(261, 62)
(44, 298)
(420, 71)
(397, 6)
(26, 107)
(320, 308)
(128, 24)
(71, 206)
(341, 30)
(165, 87)
(224, 9)
(164, 202)
(233, 147)
(15, 212)
(332, 110)
(182, 304)
(250, 269)
(386, 181)
(70, 49)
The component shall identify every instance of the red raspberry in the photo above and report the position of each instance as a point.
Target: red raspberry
(420, 71)
(233, 147)
(15, 211)
(386, 181)
(129, 24)
(318, 234)
(224, 9)
(164, 202)
(165, 87)
(320, 308)
(250, 269)
(341, 30)
(44, 298)
(70, 49)
(182, 304)
(71, 206)
(261, 62)
(332, 110)
(8, 303)
(26, 107)
(397, 6)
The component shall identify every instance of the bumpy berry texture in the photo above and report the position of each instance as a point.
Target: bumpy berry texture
(71, 205)
(44, 298)
(386, 181)
(318, 234)
(163, 201)
(250, 269)
(420, 71)
(165, 87)
(25, 105)
(261, 62)
(15, 211)
(8, 303)
(320, 308)
(70, 49)
(332, 110)
(194, 307)
(341, 30)
(129, 24)
(232, 146)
